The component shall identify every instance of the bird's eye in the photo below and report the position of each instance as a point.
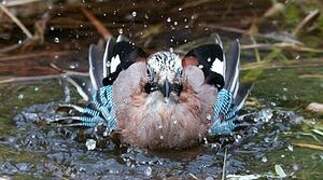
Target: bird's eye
(150, 87)
(177, 88)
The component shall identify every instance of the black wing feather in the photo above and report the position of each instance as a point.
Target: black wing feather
(96, 65)
(128, 54)
(206, 55)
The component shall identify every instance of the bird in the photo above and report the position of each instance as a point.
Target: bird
(162, 100)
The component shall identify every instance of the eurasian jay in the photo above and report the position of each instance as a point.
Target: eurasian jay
(161, 100)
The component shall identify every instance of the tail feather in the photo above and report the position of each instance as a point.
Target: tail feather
(83, 86)
(236, 90)
(242, 94)
(219, 42)
(96, 66)
(233, 68)
(239, 91)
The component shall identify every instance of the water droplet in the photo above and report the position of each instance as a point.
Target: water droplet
(120, 31)
(74, 66)
(134, 13)
(214, 145)
(208, 117)
(169, 19)
(297, 57)
(56, 40)
(238, 136)
(205, 141)
(283, 155)
(284, 97)
(264, 159)
(148, 171)
(20, 96)
(264, 115)
(90, 144)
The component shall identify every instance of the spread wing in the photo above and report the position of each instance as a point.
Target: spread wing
(210, 58)
(105, 63)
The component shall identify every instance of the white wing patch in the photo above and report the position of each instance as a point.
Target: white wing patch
(115, 61)
(218, 66)
(105, 55)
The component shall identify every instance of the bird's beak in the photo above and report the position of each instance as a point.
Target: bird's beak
(166, 88)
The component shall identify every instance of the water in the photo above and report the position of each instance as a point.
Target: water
(66, 154)
(40, 149)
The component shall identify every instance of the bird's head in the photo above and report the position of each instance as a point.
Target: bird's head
(164, 70)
